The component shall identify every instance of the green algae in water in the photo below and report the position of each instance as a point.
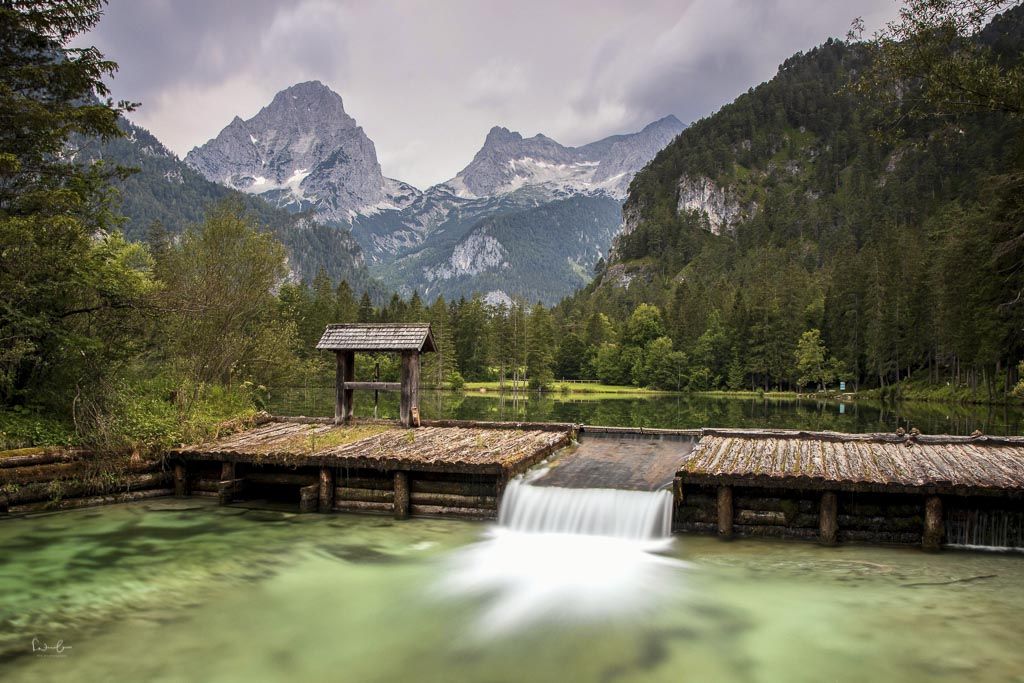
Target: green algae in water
(161, 592)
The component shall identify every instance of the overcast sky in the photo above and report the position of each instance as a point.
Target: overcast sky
(427, 79)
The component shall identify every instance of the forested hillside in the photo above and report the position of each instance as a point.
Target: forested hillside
(805, 207)
(164, 191)
(540, 253)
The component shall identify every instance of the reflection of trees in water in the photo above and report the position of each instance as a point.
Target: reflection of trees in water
(684, 411)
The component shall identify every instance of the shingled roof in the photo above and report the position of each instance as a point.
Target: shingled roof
(378, 337)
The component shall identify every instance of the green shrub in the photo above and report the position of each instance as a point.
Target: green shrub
(22, 427)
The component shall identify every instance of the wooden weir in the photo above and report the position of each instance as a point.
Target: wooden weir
(832, 487)
(455, 469)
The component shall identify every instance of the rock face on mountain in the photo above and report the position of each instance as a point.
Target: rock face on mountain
(702, 194)
(301, 151)
(508, 161)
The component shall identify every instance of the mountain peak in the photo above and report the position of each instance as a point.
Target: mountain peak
(666, 122)
(499, 134)
(302, 151)
(508, 161)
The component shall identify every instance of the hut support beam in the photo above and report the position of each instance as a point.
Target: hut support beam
(828, 518)
(931, 539)
(326, 489)
(409, 408)
(345, 372)
(725, 511)
(401, 500)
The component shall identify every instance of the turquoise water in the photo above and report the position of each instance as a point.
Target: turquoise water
(173, 590)
(679, 412)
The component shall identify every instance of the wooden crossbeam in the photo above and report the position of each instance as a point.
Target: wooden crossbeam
(375, 386)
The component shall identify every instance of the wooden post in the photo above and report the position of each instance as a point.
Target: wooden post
(401, 504)
(409, 406)
(725, 511)
(180, 489)
(828, 518)
(931, 539)
(226, 488)
(309, 498)
(344, 372)
(326, 489)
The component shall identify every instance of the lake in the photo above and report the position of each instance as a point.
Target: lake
(686, 411)
(182, 590)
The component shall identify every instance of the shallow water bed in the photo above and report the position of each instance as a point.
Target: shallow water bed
(181, 590)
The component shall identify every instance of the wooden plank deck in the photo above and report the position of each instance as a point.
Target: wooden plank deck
(859, 462)
(385, 446)
(619, 461)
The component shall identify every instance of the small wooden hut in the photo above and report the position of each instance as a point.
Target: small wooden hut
(408, 339)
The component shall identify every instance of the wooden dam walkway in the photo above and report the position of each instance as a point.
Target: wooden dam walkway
(441, 468)
(823, 486)
(619, 459)
(828, 486)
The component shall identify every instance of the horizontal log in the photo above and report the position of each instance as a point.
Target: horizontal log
(776, 504)
(284, 478)
(484, 424)
(697, 527)
(347, 493)
(205, 494)
(366, 483)
(908, 524)
(462, 488)
(458, 512)
(762, 517)
(75, 489)
(455, 500)
(362, 506)
(26, 457)
(881, 509)
(70, 470)
(374, 386)
(91, 501)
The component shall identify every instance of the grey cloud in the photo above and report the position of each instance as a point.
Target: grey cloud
(426, 80)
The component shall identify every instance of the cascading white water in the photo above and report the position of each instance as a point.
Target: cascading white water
(985, 529)
(595, 512)
(560, 553)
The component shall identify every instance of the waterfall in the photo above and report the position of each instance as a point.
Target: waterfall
(995, 529)
(560, 553)
(593, 512)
